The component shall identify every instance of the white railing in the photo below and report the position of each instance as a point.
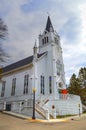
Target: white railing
(84, 107)
(15, 98)
(43, 99)
(42, 111)
(69, 97)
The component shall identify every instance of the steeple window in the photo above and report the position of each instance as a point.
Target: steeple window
(45, 40)
(56, 41)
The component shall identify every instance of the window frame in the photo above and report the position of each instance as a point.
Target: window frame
(13, 87)
(50, 84)
(3, 88)
(42, 84)
(26, 84)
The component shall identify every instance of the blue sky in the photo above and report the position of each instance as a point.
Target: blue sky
(27, 18)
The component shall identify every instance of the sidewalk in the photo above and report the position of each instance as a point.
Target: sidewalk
(83, 116)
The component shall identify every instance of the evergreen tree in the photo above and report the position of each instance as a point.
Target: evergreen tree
(77, 85)
(82, 77)
(74, 86)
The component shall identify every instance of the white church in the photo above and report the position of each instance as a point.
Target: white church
(42, 74)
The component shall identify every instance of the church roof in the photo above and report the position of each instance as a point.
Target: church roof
(49, 25)
(20, 63)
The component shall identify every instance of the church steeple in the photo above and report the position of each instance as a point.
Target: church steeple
(47, 37)
(49, 26)
(35, 51)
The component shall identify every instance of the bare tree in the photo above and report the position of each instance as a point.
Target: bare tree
(3, 35)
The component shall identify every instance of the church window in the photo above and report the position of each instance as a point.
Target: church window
(42, 85)
(3, 88)
(50, 84)
(13, 87)
(43, 41)
(47, 39)
(26, 80)
(56, 41)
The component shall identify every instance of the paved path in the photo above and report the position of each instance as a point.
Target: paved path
(8, 122)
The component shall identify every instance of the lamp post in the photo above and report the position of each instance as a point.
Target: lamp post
(79, 109)
(33, 117)
(34, 78)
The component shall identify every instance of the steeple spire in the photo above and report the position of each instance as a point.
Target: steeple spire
(49, 26)
(35, 51)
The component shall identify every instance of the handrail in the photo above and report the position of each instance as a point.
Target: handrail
(42, 100)
(41, 110)
(16, 98)
(69, 97)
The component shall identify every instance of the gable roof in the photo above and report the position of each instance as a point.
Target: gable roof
(20, 63)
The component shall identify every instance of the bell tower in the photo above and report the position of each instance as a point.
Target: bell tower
(45, 39)
(49, 41)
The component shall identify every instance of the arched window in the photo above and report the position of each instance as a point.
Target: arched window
(26, 82)
(42, 84)
(13, 87)
(47, 39)
(56, 40)
(3, 88)
(50, 84)
(44, 40)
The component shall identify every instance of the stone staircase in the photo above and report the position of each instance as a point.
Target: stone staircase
(45, 106)
(83, 107)
(43, 112)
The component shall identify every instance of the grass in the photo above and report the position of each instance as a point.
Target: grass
(84, 111)
(63, 116)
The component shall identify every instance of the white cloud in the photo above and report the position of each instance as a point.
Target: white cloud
(19, 39)
(82, 9)
(24, 29)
